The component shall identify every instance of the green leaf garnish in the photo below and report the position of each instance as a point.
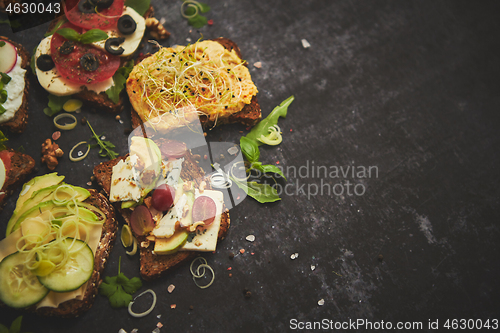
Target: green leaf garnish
(57, 26)
(55, 104)
(15, 327)
(262, 128)
(91, 36)
(250, 149)
(198, 21)
(263, 193)
(119, 289)
(105, 147)
(192, 13)
(2, 43)
(119, 80)
(140, 6)
(267, 168)
(3, 139)
(13, 24)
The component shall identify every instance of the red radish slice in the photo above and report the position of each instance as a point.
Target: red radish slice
(141, 221)
(204, 209)
(8, 57)
(173, 149)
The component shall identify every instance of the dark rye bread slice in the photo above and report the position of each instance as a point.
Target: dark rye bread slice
(101, 100)
(74, 308)
(153, 266)
(21, 165)
(249, 116)
(20, 120)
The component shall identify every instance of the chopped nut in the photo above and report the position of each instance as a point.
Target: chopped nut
(156, 28)
(192, 227)
(203, 184)
(50, 153)
(187, 186)
(185, 210)
(145, 244)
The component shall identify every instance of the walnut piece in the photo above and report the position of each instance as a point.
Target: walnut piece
(50, 153)
(156, 29)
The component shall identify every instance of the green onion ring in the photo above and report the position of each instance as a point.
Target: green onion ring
(197, 271)
(76, 159)
(143, 314)
(193, 4)
(197, 274)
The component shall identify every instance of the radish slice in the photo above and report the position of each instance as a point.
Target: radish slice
(8, 57)
(2, 174)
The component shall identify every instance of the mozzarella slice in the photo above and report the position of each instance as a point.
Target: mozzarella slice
(206, 238)
(133, 40)
(55, 84)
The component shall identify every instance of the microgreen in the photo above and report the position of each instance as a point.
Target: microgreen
(3, 138)
(55, 104)
(106, 147)
(119, 289)
(91, 36)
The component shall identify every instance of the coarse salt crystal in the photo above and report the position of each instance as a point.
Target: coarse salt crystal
(158, 316)
(122, 331)
(250, 238)
(242, 251)
(313, 267)
(258, 64)
(80, 153)
(321, 302)
(170, 288)
(173, 306)
(294, 256)
(188, 39)
(159, 325)
(305, 43)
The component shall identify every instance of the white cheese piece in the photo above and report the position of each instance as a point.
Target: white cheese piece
(2, 173)
(133, 40)
(55, 84)
(166, 227)
(175, 173)
(123, 183)
(206, 238)
(15, 91)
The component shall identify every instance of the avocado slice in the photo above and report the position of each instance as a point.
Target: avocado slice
(172, 244)
(45, 194)
(33, 212)
(29, 188)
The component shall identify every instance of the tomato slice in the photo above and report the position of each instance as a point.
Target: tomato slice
(106, 18)
(5, 156)
(69, 65)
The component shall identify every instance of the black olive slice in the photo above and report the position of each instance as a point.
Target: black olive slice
(85, 6)
(89, 62)
(102, 4)
(44, 62)
(126, 25)
(112, 44)
(67, 47)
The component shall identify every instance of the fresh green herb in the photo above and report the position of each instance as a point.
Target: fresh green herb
(91, 36)
(262, 128)
(2, 109)
(2, 43)
(192, 13)
(57, 26)
(140, 6)
(119, 79)
(106, 147)
(267, 168)
(13, 23)
(263, 193)
(15, 327)
(3, 139)
(3, 96)
(33, 60)
(250, 149)
(55, 104)
(119, 289)
(5, 78)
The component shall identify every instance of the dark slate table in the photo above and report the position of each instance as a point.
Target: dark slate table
(410, 89)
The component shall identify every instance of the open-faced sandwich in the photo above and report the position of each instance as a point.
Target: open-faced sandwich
(88, 49)
(209, 76)
(14, 60)
(57, 244)
(14, 167)
(161, 192)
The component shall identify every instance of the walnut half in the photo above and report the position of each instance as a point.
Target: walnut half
(50, 153)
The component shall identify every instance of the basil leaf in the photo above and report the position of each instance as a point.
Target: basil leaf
(57, 26)
(268, 168)
(250, 149)
(69, 33)
(199, 21)
(55, 104)
(262, 128)
(140, 6)
(93, 35)
(261, 192)
(119, 80)
(5, 78)
(15, 327)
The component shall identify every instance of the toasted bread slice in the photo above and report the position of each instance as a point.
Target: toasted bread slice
(21, 165)
(101, 100)
(152, 265)
(20, 120)
(74, 308)
(249, 115)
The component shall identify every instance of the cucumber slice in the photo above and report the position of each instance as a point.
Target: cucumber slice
(19, 287)
(77, 270)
